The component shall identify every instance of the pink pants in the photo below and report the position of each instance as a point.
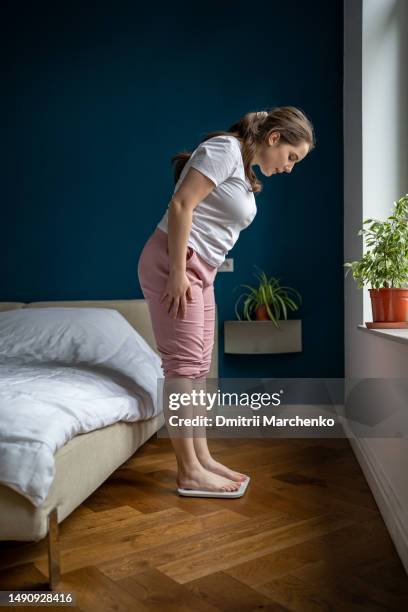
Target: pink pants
(185, 345)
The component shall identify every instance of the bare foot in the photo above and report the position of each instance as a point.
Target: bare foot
(200, 478)
(218, 468)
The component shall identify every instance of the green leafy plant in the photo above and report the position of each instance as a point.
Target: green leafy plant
(386, 263)
(270, 294)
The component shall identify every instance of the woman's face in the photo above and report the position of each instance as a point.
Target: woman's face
(274, 158)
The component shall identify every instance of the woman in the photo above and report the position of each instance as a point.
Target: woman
(213, 201)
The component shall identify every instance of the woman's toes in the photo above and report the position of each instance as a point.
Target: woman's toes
(222, 470)
(207, 480)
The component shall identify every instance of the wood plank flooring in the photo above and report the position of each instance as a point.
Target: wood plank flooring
(306, 537)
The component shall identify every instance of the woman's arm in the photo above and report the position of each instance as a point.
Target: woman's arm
(194, 188)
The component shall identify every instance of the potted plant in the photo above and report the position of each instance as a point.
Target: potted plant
(268, 301)
(385, 266)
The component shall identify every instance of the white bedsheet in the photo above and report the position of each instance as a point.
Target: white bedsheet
(101, 372)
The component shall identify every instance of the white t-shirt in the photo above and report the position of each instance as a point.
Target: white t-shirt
(230, 206)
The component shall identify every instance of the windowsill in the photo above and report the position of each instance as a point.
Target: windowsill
(399, 335)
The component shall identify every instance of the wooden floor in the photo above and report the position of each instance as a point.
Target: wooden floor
(307, 536)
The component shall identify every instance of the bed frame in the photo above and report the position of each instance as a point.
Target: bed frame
(83, 463)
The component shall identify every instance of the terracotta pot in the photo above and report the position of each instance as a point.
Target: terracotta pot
(261, 314)
(389, 304)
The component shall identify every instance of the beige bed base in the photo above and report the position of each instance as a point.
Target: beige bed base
(83, 463)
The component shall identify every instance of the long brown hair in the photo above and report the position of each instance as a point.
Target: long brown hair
(253, 128)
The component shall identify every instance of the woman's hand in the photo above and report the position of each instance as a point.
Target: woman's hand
(178, 288)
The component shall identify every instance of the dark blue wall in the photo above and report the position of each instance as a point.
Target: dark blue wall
(99, 96)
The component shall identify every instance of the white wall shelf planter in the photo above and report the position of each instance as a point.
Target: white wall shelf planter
(262, 337)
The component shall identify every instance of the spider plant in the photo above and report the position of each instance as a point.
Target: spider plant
(269, 300)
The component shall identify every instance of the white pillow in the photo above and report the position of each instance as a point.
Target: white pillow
(95, 336)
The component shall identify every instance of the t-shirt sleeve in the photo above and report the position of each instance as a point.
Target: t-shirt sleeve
(216, 158)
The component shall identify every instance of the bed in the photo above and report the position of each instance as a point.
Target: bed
(75, 476)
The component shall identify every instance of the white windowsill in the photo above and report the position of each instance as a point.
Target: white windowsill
(399, 335)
